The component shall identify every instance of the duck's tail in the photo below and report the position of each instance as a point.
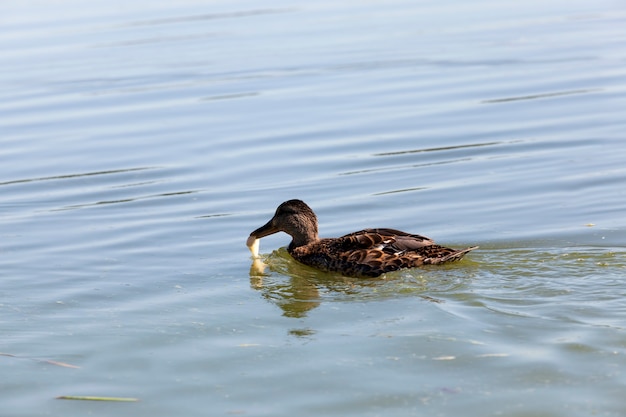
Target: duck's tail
(457, 255)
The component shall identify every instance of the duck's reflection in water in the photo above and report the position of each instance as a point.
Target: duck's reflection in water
(295, 296)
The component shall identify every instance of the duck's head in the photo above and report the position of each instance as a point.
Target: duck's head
(293, 217)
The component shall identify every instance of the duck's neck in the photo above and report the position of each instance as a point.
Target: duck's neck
(303, 237)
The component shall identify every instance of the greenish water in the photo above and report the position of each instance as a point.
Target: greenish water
(142, 142)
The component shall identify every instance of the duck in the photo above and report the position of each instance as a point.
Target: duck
(366, 253)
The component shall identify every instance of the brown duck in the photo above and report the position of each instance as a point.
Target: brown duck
(367, 253)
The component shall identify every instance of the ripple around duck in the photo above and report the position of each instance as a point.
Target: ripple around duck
(532, 283)
(562, 284)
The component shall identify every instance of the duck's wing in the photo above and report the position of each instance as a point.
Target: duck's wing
(372, 252)
(389, 241)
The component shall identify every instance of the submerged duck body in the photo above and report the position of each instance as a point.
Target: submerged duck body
(366, 253)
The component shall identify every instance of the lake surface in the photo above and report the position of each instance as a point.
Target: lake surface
(141, 143)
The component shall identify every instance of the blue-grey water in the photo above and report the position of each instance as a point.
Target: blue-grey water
(141, 142)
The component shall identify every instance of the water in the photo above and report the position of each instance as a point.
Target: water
(143, 141)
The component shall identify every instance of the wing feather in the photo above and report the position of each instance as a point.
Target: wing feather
(388, 240)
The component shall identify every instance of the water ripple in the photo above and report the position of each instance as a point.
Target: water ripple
(543, 95)
(76, 175)
(439, 149)
(209, 16)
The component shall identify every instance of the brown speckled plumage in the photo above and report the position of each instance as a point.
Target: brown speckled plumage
(367, 253)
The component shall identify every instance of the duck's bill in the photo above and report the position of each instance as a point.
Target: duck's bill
(253, 240)
(265, 230)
